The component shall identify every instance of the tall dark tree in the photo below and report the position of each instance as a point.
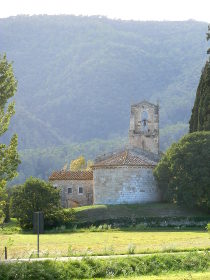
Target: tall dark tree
(208, 38)
(9, 158)
(200, 118)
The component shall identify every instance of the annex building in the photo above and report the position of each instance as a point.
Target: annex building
(122, 176)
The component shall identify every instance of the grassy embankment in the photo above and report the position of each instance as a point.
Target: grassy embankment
(99, 241)
(95, 213)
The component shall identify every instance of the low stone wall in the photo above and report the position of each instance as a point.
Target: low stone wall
(124, 185)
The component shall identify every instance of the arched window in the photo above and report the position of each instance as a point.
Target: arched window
(144, 121)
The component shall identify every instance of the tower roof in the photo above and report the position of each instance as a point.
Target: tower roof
(144, 102)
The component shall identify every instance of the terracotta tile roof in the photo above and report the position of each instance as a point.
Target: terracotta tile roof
(71, 175)
(125, 158)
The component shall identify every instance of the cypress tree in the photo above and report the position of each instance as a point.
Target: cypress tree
(200, 118)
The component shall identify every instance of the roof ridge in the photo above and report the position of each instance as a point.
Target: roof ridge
(72, 175)
(126, 158)
(64, 171)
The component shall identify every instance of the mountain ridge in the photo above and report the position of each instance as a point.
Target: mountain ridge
(77, 76)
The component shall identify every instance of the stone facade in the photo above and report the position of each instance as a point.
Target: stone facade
(144, 127)
(125, 176)
(124, 185)
(76, 187)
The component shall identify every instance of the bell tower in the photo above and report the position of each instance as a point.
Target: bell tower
(144, 127)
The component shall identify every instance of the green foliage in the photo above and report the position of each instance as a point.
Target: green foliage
(183, 173)
(208, 37)
(96, 268)
(59, 218)
(131, 249)
(144, 223)
(41, 162)
(139, 217)
(9, 158)
(35, 195)
(200, 118)
(3, 198)
(10, 227)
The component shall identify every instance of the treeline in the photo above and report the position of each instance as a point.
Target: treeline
(41, 162)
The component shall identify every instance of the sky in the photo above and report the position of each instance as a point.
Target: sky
(118, 9)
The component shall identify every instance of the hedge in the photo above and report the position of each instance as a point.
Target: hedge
(89, 268)
(149, 222)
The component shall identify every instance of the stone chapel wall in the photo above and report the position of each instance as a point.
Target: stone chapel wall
(75, 198)
(124, 185)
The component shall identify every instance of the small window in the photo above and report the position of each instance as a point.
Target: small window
(80, 190)
(69, 190)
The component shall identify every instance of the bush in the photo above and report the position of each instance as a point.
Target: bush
(35, 195)
(58, 218)
(183, 174)
(131, 248)
(100, 228)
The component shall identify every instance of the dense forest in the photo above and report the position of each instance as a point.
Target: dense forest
(77, 77)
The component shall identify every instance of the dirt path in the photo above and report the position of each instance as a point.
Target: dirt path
(65, 259)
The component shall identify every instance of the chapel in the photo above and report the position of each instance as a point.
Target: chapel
(124, 176)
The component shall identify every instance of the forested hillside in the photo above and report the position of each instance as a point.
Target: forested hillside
(78, 76)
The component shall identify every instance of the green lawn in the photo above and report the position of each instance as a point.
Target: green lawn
(177, 276)
(104, 243)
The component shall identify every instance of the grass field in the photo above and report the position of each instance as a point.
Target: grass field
(108, 242)
(104, 243)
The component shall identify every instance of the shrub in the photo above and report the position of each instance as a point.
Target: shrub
(100, 228)
(59, 218)
(131, 248)
(38, 195)
(183, 174)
